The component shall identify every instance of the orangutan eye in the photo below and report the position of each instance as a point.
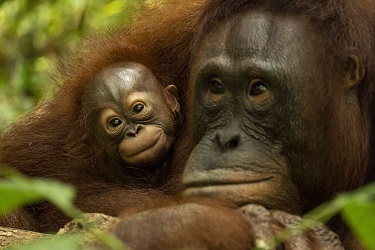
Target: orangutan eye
(258, 88)
(114, 122)
(138, 108)
(215, 90)
(259, 92)
(215, 87)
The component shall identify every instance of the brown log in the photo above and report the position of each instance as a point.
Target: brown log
(12, 236)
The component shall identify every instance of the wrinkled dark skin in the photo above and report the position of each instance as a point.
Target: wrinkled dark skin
(259, 90)
(244, 82)
(257, 86)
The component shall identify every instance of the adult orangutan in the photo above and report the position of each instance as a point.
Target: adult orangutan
(280, 110)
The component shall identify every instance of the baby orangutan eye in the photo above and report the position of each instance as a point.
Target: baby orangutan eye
(111, 121)
(114, 123)
(138, 108)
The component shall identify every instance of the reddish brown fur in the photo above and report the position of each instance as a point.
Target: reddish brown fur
(39, 145)
(197, 224)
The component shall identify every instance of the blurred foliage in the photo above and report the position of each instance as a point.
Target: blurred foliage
(34, 34)
(356, 208)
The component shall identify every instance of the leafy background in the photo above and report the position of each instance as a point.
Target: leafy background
(34, 34)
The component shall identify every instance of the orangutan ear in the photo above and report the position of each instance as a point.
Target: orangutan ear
(354, 72)
(172, 97)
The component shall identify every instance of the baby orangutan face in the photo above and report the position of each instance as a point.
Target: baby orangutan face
(134, 113)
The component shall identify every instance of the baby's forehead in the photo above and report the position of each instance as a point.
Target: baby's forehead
(129, 78)
(119, 84)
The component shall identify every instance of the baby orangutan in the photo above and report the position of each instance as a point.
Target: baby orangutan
(130, 118)
(114, 150)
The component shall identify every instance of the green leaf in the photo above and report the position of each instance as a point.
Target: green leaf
(14, 196)
(17, 190)
(360, 216)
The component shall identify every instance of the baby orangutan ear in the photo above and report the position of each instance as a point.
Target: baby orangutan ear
(354, 71)
(172, 96)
